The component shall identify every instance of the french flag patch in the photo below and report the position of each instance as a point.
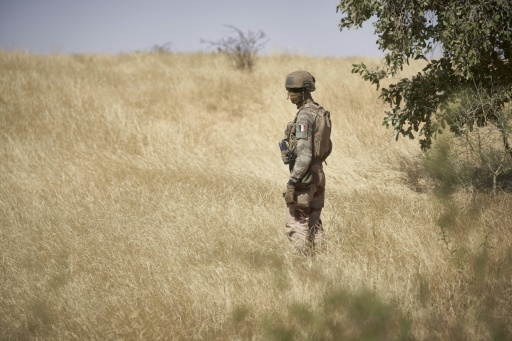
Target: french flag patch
(302, 127)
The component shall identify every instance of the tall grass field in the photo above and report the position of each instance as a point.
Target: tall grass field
(141, 198)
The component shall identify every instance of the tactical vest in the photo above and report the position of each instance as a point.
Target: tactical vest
(322, 144)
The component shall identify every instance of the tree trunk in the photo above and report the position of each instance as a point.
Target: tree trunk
(494, 178)
(506, 144)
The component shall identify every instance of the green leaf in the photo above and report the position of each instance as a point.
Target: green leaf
(475, 55)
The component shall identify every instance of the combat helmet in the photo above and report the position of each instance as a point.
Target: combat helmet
(300, 80)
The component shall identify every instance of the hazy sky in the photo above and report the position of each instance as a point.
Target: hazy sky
(74, 26)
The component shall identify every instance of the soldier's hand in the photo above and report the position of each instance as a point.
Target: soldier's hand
(289, 195)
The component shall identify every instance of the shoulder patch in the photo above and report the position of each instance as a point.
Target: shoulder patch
(302, 129)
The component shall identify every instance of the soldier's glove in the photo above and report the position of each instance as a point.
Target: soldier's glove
(289, 195)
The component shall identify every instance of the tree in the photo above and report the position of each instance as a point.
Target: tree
(240, 47)
(161, 48)
(475, 37)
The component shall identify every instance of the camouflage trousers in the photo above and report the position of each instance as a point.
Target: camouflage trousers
(303, 224)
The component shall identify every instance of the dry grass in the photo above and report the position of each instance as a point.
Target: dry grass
(140, 197)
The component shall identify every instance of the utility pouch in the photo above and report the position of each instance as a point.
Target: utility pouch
(289, 136)
(303, 200)
(288, 130)
(305, 196)
(302, 197)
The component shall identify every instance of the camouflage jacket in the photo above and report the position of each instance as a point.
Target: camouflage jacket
(304, 139)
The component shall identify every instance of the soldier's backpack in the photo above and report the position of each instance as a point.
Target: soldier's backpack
(322, 132)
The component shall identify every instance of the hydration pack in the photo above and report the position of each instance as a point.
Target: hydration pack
(322, 131)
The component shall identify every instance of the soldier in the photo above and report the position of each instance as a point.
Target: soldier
(305, 146)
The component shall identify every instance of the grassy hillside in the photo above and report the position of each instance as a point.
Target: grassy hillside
(140, 197)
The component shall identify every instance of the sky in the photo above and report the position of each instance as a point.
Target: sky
(118, 26)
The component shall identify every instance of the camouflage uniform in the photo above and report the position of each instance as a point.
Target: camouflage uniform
(303, 224)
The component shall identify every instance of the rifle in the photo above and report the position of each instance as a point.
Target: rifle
(287, 155)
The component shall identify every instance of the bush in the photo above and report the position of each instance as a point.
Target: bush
(454, 163)
(241, 48)
(161, 48)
